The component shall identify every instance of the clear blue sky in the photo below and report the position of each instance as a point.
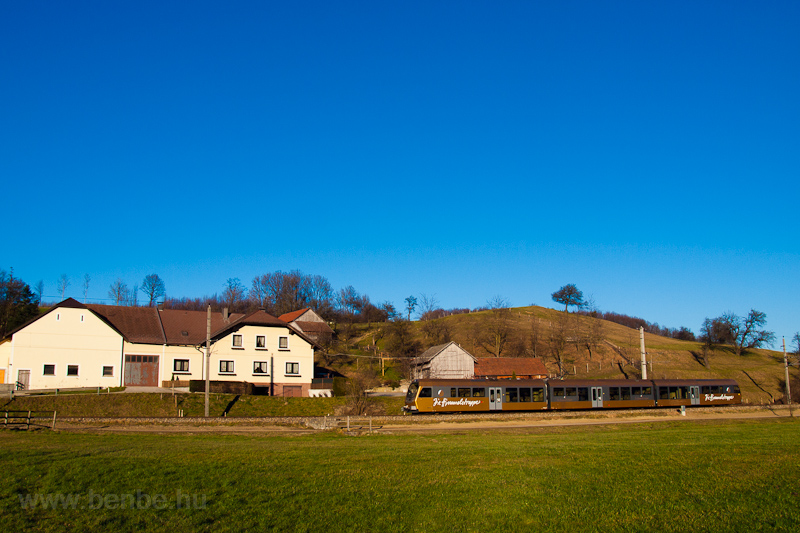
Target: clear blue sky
(648, 152)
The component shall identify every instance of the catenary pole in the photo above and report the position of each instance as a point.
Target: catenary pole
(786, 368)
(641, 347)
(208, 355)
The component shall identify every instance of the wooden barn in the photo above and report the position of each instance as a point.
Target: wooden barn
(445, 361)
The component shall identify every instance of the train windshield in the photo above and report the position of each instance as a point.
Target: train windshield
(412, 392)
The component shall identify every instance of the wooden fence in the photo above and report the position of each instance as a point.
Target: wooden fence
(28, 419)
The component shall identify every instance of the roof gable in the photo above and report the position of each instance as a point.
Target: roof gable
(433, 351)
(294, 315)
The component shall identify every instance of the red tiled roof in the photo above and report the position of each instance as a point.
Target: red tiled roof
(189, 327)
(508, 366)
(294, 315)
(136, 324)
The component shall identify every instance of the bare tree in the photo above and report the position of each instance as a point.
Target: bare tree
(118, 292)
(743, 333)
(557, 340)
(493, 330)
(86, 280)
(568, 295)
(153, 287)
(592, 335)
(39, 291)
(63, 284)
(427, 305)
(234, 293)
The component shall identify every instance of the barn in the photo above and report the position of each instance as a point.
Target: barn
(444, 361)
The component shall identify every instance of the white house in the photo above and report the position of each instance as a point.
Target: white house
(78, 345)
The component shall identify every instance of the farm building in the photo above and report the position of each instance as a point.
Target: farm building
(451, 361)
(444, 361)
(309, 323)
(78, 345)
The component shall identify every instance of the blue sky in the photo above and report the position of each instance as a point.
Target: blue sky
(648, 152)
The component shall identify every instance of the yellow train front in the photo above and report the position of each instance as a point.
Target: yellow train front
(467, 395)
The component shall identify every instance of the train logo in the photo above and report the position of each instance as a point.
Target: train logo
(444, 402)
(712, 397)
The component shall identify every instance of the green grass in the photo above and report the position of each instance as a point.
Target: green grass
(167, 405)
(716, 476)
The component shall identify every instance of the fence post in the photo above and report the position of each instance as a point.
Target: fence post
(348, 423)
(54, 420)
(370, 424)
(28, 421)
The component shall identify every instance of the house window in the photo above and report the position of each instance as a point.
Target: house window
(261, 342)
(81, 318)
(180, 365)
(108, 371)
(237, 341)
(49, 370)
(72, 370)
(292, 369)
(226, 367)
(283, 343)
(260, 367)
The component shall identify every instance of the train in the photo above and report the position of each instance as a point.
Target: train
(504, 395)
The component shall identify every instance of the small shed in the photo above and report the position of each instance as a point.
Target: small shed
(508, 367)
(310, 323)
(445, 361)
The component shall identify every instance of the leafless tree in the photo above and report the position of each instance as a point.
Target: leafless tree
(436, 331)
(39, 291)
(86, 280)
(234, 293)
(118, 292)
(428, 304)
(557, 340)
(493, 329)
(153, 287)
(63, 284)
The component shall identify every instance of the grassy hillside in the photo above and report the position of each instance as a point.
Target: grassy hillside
(760, 373)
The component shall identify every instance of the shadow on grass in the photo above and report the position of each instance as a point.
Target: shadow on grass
(230, 405)
(771, 397)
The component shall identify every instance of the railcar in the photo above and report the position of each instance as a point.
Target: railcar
(467, 395)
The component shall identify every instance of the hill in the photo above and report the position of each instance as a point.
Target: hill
(581, 346)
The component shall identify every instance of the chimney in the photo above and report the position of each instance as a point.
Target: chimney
(225, 314)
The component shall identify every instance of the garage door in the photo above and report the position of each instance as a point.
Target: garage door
(141, 370)
(292, 391)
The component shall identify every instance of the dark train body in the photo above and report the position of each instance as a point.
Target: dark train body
(468, 395)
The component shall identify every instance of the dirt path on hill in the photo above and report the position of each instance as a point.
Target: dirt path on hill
(418, 424)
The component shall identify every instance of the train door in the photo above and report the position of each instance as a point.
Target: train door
(694, 394)
(597, 397)
(495, 399)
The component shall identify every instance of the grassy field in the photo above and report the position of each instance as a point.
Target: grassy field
(167, 405)
(713, 476)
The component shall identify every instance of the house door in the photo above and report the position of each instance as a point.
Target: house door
(495, 399)
(23, 379)
(141, 370)
(597, 397)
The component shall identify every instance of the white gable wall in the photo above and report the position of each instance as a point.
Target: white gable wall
(452, 363)
(62, 338)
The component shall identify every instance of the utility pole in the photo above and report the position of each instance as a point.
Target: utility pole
(786, 368)
(208, 354)
(641, 347)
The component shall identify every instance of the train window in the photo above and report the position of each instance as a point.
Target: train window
(558, 391)
(736, 389)
(525, 394)
(464, 392)
(647, 391)
(572, 391)
(511, 394)
(673, 393)
(425, 392)
(626, 393)
(613, 393)
(538, 395)
(453, 393)
(705, 389)
(663, 393)
(636, 391)
(479, 392)
(683, 393)
(583, 394)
